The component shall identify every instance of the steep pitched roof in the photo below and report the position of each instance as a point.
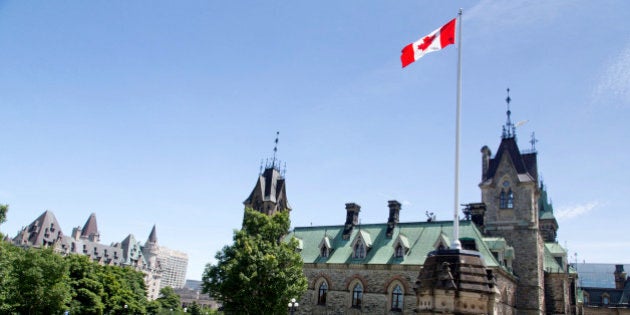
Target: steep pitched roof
(90, 227)
(545, 208)
(44, 231)
(152, 236)
(525, 164)
(420, 235)
(269, 187)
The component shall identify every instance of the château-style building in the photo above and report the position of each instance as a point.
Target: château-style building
(509, 262)
(154, 261)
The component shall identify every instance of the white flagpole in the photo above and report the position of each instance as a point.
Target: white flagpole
(456, 243)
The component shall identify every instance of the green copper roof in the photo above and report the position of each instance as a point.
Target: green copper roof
(420, 237)
(553, 250)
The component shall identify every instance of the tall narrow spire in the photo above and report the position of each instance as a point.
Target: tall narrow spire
(152, 236)
(509, 130)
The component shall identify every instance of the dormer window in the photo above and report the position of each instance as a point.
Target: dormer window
(325, 247)
(359, 250)
(324, 252)
(605, 299)
(401, 246)
(360, 245)
(400, 252)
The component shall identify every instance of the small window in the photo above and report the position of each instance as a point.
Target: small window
(359, 250)
(324, 251)
(586, 299)
(397, 298)
(357, 295)
(502, 200)
(400, 251)
(510, 199)
(323, 291)
(605, 300)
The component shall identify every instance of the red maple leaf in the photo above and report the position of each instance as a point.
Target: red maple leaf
(426, 42)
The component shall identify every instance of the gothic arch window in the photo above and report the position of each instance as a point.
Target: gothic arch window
(605, 299)
(359, 250)
(322, 292)
(397, 298)
(510, 199)
(357, 295)
(586, 298)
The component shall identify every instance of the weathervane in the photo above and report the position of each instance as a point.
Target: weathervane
(533, 141)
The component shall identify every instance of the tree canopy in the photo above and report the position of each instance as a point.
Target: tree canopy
(260, 272)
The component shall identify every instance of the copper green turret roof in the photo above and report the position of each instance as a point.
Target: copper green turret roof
(545, 208)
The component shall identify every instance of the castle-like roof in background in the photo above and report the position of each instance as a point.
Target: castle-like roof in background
(152, 236)
(421, 237)
(90, 227)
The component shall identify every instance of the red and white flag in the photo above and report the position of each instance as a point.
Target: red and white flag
(435, 41)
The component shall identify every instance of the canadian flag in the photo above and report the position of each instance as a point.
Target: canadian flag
(435, 41)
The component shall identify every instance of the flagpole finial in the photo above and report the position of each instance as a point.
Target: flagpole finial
(509, 130)
(461, 11)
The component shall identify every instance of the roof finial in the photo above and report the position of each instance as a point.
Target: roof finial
(533, 141)
(509, 130)
(275, 149)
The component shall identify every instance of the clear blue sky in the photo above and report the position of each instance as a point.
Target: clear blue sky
(159, 112)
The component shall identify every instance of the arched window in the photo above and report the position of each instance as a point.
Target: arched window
(321, 296)
(503, 200)
(605, 299)
(400, 251)
(397, 298)
(359, 250)
(586, 298)
(510, 199)
(357, 295)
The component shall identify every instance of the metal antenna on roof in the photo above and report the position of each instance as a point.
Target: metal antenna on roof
(261, 167)
(284, 169)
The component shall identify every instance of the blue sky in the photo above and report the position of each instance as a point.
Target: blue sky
(159, 112)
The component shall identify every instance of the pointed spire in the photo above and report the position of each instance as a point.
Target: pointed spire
(90, 228)
(152, 236)
(509, 130)
(275, 149)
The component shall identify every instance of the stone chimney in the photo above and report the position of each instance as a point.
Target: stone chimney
(352, 218)
(620, 277)
(394, 215)
(485, 161)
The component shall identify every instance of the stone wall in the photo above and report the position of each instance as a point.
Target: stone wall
(377, 280)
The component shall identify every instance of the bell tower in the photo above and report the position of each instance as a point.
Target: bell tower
(510, 191)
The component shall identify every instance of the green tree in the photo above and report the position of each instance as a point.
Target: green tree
(8, 253)
(259, 273)
(3, 216)
(87, 290)
(169, 299)
(194, 309)
(39, 282)
(123, 286)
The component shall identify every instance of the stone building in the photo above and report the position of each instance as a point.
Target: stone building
(509, 263)
(606, 299)
(45, 231)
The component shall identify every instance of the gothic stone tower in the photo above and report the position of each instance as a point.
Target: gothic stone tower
(510, 190)
(269, 195)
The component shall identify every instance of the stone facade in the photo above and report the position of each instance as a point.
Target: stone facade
(373, 268)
